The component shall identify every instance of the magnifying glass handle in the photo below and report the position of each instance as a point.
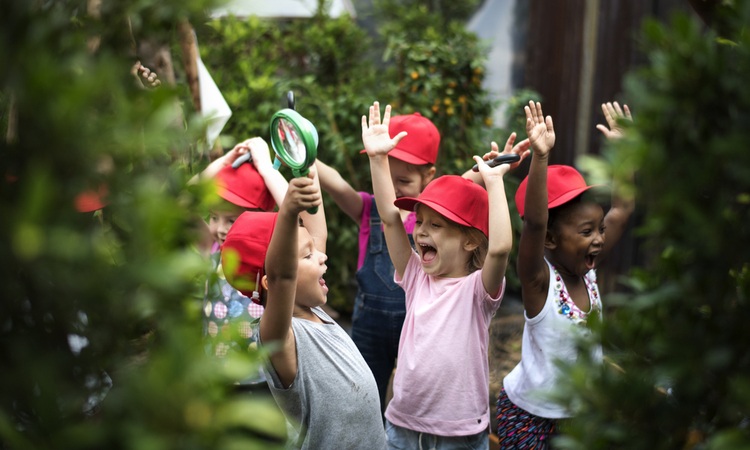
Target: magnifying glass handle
(290, 99)
(505, 158)
(243, 158)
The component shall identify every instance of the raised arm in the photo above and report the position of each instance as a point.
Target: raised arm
(261, 159)
(622, 206)
(316, 223)
(219, 163)
(281, 276)
(378, 143)
(521, 149)
(340, 190)
(532, 270)
(500, 232)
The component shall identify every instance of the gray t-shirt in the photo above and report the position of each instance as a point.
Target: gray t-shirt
(333, 403)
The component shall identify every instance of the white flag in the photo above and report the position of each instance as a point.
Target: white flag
(214, 108)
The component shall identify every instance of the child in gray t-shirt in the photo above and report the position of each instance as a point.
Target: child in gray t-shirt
(316, 374)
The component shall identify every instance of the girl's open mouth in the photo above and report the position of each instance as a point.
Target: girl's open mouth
(428, 253)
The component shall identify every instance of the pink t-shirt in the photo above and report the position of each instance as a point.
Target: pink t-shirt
(442, 381)
(364, 226)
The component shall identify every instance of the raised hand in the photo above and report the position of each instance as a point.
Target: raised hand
(540, 131)
(261, 155)
(375, 135)
(614, 116)
(488, 172)
(303, 193)
(145, 76)
(521, 149)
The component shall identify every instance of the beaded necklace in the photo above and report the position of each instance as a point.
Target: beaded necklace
(565, 304)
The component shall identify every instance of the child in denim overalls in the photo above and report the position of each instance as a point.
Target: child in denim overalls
(379, 306)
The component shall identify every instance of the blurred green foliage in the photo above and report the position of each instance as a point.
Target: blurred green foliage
(125, 282)
(679, 366)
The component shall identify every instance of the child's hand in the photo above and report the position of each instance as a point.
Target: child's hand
(488, 172)
(261, 155)
(375, 136)
(541, 132)
(145, 76)
(301, 195)
(229, 157)
(521, 149)
(614, 114)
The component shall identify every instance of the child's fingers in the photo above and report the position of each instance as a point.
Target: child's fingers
(607, 113)
(508, 143)
(550, 125)
(387, 115)
(627, 112)
(375, 114)
(398, 137)
(521, 146)
(618, 110)
(539, 113)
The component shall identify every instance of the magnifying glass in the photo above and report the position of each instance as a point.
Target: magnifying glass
(247, 157)
(295, 141)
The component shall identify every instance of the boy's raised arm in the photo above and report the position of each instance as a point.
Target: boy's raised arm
(316, 223)
(281, 276)
(378, 143)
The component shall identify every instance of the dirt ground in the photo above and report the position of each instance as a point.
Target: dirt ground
(505, 342)
(506, 330)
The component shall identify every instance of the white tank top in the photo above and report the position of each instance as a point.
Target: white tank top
(550, 336)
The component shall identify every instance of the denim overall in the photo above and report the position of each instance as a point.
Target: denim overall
(379, 308)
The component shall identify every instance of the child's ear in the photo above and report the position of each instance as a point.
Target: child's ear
(428, 175)
(550, 240)
(470, 246)
(264, 283)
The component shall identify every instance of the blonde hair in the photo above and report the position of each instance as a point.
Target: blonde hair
(476, 261)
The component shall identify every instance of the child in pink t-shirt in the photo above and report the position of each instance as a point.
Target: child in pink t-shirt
(454, 283)
(379, 309)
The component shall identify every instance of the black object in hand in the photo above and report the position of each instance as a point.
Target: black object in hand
(505, 158)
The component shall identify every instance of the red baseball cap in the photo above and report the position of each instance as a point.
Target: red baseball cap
(420, 145)
(456, 198)
(564, 183)
(244, 187)
(243, 254)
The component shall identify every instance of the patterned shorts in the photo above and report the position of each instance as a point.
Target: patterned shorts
(519, 429)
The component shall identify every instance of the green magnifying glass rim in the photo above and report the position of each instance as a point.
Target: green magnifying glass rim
(305, 132)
